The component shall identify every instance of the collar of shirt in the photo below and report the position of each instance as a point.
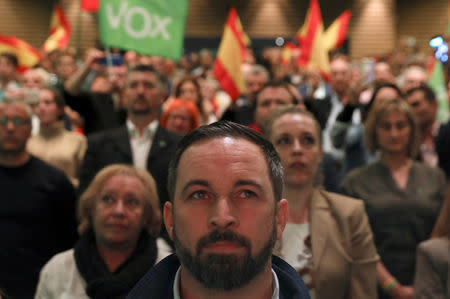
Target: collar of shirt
(435, 128)
(176, 285)
(147, 133)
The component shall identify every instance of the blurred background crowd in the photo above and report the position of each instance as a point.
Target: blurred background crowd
(372, 127)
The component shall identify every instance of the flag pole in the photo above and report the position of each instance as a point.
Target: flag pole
(78, 35)
(109, 63)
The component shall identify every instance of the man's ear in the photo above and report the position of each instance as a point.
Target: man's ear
(281, 217)
(168, 218)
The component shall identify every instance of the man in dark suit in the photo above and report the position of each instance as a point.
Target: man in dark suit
(141, 142)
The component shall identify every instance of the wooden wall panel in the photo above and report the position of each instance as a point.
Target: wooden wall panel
(260, 18)
(422, 20)
(30, 20)
(25, 19)
(374, 28)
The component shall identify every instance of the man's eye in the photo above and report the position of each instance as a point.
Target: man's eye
(247, 194)
(198, 195)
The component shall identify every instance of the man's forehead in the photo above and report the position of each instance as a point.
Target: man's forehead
(239, 161)
(13, 108)
(417, 94)
(236, 149)
(252, 77)
(339, 65)
(275, 92)
(149, 75)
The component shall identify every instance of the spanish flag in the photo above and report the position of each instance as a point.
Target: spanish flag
(90, 5)
(287, 53)
(335, 35)
(310, 38)
(59, 31)
(27, 55)
(230, 56)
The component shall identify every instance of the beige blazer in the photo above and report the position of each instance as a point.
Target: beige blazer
(344, 254)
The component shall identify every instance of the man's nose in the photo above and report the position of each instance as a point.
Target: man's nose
(222, 215)
(140, 88)
(10, 125)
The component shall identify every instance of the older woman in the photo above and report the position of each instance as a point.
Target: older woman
(402, 196)
(119, 224)
(327, 238)
(54, 144)
(180, 116)
(432, 277)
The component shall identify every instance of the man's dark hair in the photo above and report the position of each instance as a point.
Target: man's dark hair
(377, 89)
(276, 84)
(223, 129)
(428, 93)
(147, 68)
(11, 58)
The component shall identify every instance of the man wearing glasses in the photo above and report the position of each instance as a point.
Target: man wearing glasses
(37, 206)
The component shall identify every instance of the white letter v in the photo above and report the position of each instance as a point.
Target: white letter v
(114, 20)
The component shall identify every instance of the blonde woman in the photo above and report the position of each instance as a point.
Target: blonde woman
(327, 238)
(402, 196)
(119, 224)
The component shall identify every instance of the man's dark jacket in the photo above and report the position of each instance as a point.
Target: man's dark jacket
(158, 282)
(113, 146)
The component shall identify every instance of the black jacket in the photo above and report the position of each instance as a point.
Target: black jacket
(113, 146)
(158, 282)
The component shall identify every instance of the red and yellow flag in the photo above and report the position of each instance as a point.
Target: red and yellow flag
(230, 56)
(287, 53)
(59, 31)
(335, 35)
(90, 5)
(310, 38)
(27, 55)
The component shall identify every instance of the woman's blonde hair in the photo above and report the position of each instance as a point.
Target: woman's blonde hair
(442, 226)
(88, 200)
(382, 109)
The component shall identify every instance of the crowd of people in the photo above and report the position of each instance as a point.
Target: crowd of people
(94, 154)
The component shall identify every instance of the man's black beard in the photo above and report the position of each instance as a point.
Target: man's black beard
(224, 271)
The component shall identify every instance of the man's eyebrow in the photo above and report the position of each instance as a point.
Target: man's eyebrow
(249, 182)
(203, 183)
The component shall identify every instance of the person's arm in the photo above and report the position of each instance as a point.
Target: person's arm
(427, 283)
(81, 150)
(43, 290)
(73, 84)
(65, 220)
(363, 282)
(90, 165)
(391, 286)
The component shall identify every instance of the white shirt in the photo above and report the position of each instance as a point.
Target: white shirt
(176, 285)
(141, 143)
(295, 251)
(336, 108)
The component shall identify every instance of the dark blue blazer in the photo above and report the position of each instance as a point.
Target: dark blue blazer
(158, 282)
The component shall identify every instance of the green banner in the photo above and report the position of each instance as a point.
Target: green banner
(151, 27)
(437, 83)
